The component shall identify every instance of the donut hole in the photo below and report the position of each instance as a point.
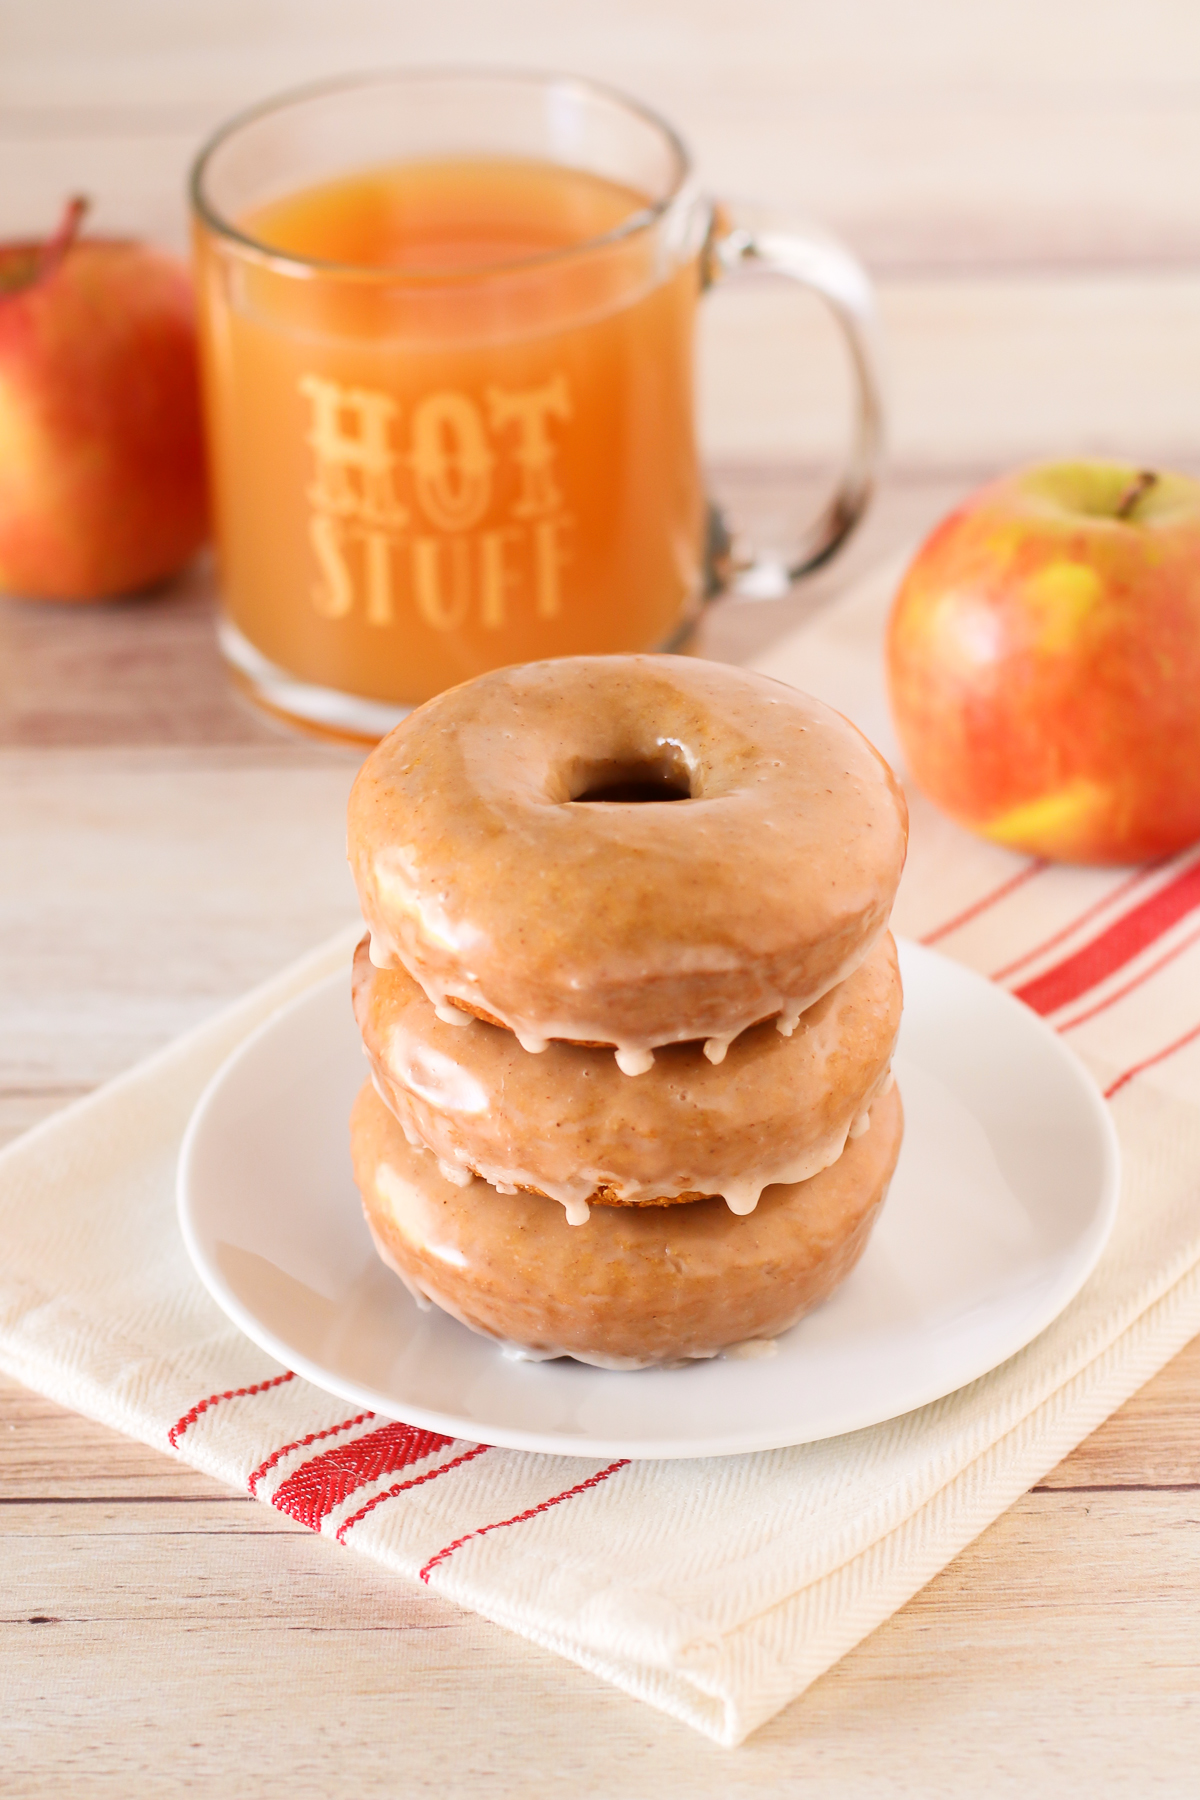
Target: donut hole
(637, 781)
(635, 789)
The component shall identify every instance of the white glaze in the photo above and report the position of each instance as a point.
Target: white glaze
(753, 1350)
(788, 1017)
(746, 900)
(633, 1055)
(382, 956)
(411, 1208)
(454, 1173)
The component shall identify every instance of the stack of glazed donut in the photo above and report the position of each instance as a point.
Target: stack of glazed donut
(629, 1001)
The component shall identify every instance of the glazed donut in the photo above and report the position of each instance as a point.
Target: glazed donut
(636, 1286)
(570, 1126)
(501, 859)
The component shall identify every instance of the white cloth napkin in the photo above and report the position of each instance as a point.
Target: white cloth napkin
(716, 1590)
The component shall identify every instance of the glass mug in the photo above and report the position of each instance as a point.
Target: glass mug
(447, 326)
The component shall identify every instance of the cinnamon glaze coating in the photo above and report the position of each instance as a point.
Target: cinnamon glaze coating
(635, 1286)
(569, 1125)
(484, 870)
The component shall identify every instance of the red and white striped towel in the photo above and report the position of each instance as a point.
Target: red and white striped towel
(716, 1590)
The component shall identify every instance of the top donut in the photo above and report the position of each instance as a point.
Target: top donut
(626, 851)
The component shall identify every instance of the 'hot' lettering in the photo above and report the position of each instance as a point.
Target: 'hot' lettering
(378, 479)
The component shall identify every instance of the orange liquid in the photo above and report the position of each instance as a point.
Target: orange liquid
(487, 461)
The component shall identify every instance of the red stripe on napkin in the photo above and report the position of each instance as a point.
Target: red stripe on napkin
(1148, 1062)
(520, 1518)
(313, 1437)
(1111, 999)
(1124, 939)
(402, 1487)
(1098, 906)
(189, 1418)
(992, 899)
(321, 1484)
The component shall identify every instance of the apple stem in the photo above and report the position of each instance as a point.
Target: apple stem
(1141, 484)
(56, 247)
(24, 265)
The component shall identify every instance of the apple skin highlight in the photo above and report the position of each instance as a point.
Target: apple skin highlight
(102, 479)
(1043, 662)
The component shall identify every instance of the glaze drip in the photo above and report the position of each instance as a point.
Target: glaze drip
(510, 1268)
(569, 1125)
(454, 1173)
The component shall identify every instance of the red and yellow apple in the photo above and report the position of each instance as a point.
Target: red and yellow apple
(102, 484)
(1043, 661)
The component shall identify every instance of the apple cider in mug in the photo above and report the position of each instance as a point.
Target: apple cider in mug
(446, 445)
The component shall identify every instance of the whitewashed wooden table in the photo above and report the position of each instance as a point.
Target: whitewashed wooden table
(1022, 180)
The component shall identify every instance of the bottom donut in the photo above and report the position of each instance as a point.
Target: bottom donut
(636, 1286)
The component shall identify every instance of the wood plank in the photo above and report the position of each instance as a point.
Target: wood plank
(22, 1106)
(1054, 1656)
(142, 671)
(1024, 136)
(1062, 1642)
(982, 372)
(182, 913)
(1153, 1441)
(48, 1454)
(224, 1640)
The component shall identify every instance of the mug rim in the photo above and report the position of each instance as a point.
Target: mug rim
(289, 262)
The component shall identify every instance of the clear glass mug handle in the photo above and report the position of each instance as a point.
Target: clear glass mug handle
(821, 265)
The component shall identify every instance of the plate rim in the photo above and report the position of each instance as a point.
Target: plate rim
(1099, 1229)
